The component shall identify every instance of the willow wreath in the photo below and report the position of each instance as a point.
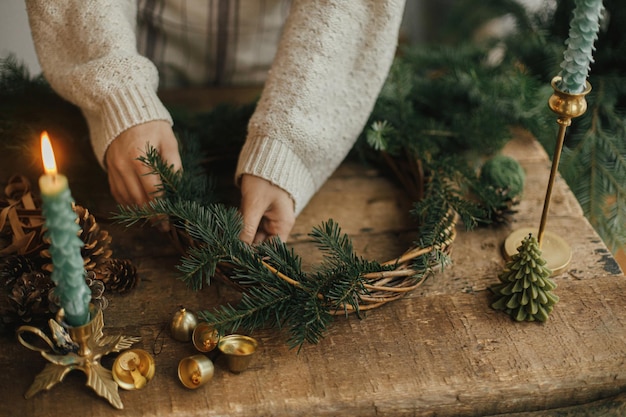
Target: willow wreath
(439, 116)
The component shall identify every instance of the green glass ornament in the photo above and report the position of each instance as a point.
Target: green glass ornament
(504, 173)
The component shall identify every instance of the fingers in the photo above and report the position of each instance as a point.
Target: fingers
(127, 187)
(169, 152)
(128, 178)
(278, 220)
(267, 210)
(251, 221)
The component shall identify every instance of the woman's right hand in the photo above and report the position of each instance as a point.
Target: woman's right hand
(129, 178)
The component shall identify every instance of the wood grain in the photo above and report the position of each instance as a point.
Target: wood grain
(440, 351)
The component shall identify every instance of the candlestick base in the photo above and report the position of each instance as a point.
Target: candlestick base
(77, 348)
(554, 250)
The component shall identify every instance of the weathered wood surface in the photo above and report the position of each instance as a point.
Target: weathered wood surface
(440, 351)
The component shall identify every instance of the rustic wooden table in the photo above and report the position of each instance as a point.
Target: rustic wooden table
(440, 351)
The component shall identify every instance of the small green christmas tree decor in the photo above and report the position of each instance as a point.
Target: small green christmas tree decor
(525, 292)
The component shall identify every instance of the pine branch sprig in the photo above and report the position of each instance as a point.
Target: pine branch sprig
(259, 307)
(190, 184)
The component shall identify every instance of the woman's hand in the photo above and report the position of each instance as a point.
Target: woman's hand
(129, 178)
(267, 210)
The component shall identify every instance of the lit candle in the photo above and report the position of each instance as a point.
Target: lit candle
(62, 230)
(578, 57)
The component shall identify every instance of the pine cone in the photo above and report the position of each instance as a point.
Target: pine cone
(97, 291)
(97, 241)
(117, 274)
(97, 294)
(502, 179)
(13, 268)
(29, 295)
(503, 210)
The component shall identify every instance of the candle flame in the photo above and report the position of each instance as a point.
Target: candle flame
(47, 154)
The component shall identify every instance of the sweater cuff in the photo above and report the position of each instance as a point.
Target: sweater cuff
(121, 110)
(277, 163)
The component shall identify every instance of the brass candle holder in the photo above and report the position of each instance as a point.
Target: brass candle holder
(76, 348)
(555, 250)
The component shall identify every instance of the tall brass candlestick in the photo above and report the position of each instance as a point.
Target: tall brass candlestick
(567, 106)
(555, 250)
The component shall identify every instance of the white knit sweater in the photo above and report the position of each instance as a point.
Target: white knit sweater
(331, 62)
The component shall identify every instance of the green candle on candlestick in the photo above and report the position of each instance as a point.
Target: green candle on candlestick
(578, 56)
(62, 230)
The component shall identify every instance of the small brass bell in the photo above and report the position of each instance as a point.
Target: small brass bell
(205, 337)
(239, 350)
(183, 324)
(133, 369)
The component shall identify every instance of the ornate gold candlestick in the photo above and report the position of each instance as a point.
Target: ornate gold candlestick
(77, 348)
(555, 250)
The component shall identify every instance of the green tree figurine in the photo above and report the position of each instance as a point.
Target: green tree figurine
(525, 291)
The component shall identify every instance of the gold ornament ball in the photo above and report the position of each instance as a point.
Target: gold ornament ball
(182, 325)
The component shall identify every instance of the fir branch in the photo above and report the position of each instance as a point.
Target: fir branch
(215, 227)
(308, 321)
(282, 259)
(188, 184)
(198, 263)
(340, 278)
(594, 162)
(336, 245)
(259, 307)
(170, 180)
(273, 302)
(15, 78)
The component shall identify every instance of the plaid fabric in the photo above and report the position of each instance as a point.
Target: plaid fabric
(210, 42)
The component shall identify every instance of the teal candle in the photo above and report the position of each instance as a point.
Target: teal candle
(578, 56)
(62, 230)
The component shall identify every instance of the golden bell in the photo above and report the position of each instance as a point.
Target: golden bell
(195, 371)
(239, 351)
(133, 369)
(182, 325)
(205, 337)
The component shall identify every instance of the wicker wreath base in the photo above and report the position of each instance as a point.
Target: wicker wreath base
(381, 287)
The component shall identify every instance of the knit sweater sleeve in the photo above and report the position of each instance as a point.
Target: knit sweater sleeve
(332, 61)
(87, 51)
